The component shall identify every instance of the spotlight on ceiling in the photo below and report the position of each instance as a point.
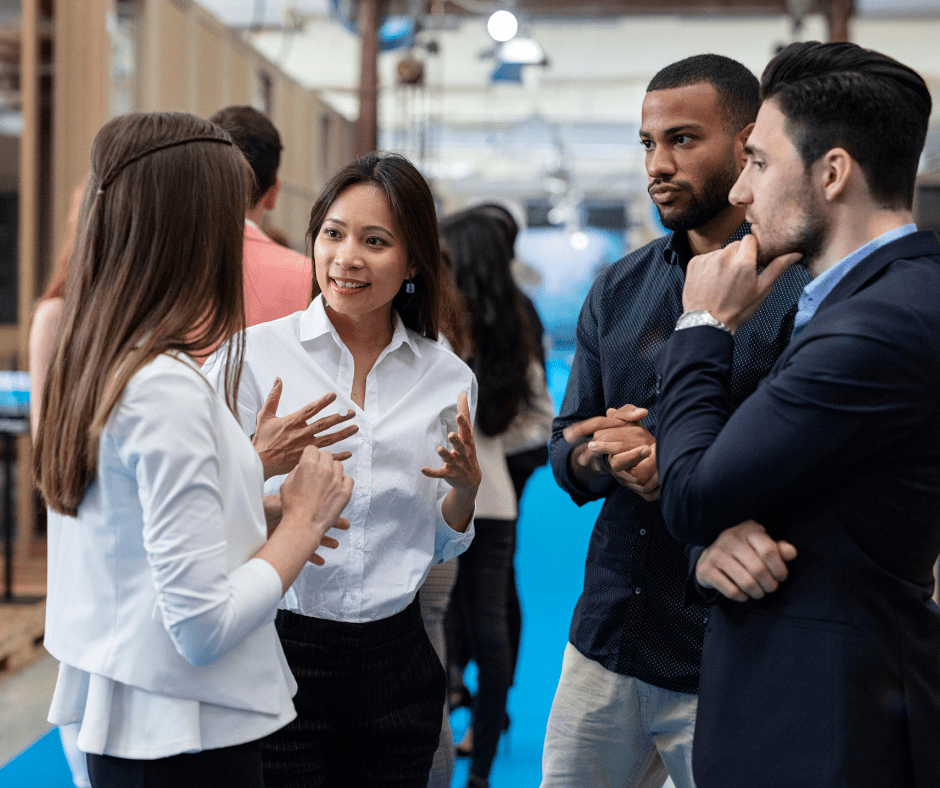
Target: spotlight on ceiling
(502, 25)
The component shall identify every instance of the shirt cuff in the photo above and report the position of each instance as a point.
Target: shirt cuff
(449, 543)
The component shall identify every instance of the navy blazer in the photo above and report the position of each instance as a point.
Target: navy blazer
(834, 679)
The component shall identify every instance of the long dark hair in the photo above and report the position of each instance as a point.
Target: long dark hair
(157, 267)
(431, 309)
(502, 343)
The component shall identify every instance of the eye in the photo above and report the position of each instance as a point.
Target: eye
(330, 232)
(648, 144)
(374, 240)
(683, 139)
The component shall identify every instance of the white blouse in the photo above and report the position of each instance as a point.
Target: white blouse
(162, 621)
(397, 531)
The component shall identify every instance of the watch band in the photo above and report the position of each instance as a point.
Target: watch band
(699, 317)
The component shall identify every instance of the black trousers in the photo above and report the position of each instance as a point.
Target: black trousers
(226, 767)
(369, 704)
(480, 600)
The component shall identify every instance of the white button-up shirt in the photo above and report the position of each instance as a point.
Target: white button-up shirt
(397, 531)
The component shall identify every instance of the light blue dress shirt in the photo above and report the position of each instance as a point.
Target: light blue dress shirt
(814, 292)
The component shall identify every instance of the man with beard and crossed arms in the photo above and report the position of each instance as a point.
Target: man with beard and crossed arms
(624, 711)
(823, 672)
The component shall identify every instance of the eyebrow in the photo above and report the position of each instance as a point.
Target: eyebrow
(752, 150)
(370, 229)
(673, 130)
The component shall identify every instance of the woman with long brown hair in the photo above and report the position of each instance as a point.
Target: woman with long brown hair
(162, 589)
(371, 688)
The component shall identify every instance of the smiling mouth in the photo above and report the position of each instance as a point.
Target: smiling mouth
(348, 284)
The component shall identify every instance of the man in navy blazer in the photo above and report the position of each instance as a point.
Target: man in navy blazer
(818, 500)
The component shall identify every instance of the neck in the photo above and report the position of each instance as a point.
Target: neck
(364, 333)
(715, 233)
(256, 213)
(851, 229)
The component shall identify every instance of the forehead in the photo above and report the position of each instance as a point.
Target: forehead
(364, 203)
(770, 131)
(691, 105)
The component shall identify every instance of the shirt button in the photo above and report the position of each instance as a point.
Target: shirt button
(359, 544)
(638, 591)
(642, 532)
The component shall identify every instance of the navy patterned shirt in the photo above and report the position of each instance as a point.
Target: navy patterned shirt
(631, 616)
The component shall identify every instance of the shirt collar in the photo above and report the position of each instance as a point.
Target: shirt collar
(315, 323)
(817, 289)
(678, 252)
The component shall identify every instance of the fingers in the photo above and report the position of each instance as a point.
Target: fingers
(327, 421)
(311, 409)
(339, 456)
(628, 413)
(581, 429)
(322, 441)
(463, 406)
(620, 460)
(269, 407)
(329, 542)
(745, 560)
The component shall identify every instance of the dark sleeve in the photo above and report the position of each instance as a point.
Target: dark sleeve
(584, 399)
(843, 402)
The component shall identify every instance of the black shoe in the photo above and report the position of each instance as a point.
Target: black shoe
(464, 753)
(477, 782)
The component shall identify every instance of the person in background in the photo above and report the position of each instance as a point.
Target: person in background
(624, 711)
(277, 279)
(501, 352)
(371, 694)
(162, 586)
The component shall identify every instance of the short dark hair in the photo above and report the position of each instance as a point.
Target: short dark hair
(738, 89)
(258, 139)
(432, 307)
(842, 96)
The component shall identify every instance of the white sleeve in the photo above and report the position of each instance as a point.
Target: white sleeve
(165, 434)
(250, 399)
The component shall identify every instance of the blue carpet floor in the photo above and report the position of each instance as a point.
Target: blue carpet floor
(552, 542)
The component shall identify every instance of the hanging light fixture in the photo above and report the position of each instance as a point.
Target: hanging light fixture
(502, 25)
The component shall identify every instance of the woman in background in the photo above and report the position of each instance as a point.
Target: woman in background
(500, 354)
(162, 589)
(371, 688)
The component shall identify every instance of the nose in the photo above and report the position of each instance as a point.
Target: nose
(740, 193)
(660, 162)
(347, 255)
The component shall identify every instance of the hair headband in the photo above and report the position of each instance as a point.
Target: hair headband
(108, 181)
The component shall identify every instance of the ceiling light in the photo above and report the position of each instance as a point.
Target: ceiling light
(525, 51)
(502, 26)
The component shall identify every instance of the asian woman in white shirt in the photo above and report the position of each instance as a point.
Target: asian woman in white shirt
(162, 587)
(371, 688)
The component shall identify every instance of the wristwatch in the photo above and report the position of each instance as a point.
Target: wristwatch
(699, 317)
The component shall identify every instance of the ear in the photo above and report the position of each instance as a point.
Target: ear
(740, 140)
(269, 198)
(834, 172)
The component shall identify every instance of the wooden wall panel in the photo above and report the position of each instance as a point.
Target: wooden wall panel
(175, 59)
(209, 71)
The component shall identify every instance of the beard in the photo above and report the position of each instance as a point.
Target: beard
(704, 204)
(806, 235)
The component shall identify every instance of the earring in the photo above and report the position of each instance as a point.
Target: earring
(409, 287)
